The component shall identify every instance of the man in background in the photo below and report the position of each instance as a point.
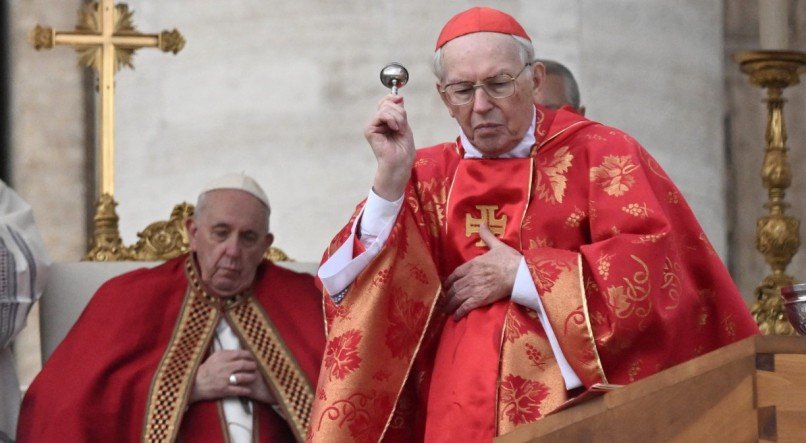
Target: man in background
(560, 88)
(216, 345)
(23, 268)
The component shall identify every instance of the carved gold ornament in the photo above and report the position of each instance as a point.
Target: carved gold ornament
(777, 234)
(42, 38)
(171, 41)
(107, 245)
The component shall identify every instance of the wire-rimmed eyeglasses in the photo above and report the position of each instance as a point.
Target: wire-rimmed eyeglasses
(499, 86)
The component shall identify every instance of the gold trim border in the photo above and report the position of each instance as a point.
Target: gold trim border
(167, 400)
(588, 325)
(285, 378)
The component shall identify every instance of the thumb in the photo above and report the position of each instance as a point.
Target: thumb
(488, 237)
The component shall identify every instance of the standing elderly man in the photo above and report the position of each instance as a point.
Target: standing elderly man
(486, 281)
(216, 345)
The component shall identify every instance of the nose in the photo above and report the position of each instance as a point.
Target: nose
(232, 247)
(482, 102)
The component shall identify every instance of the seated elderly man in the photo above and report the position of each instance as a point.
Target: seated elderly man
(216, 345)
(23, 267)
(488, 280)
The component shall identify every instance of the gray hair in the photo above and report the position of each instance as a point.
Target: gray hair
(571, 86)
(526, 52)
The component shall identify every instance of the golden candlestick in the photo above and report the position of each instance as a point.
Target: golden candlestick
(777, 234)
(106, 40)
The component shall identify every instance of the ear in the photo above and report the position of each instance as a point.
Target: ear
(445, 100)
(192, 228)
(538, 78)
(269, 240)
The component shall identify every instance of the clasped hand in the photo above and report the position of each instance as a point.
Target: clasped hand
(213, 378)
(482, 280)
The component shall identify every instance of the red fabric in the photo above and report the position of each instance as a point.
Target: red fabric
(480, 19)
(94, 386)
(651, 288)
(474, 342)
(505, 186)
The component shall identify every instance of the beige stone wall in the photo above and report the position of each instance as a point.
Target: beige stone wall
(282, 90)
(745, 126)
(49, 120)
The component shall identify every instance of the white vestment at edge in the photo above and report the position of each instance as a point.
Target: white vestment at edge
(23, 268)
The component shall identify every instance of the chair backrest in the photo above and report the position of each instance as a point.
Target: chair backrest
(71, 285)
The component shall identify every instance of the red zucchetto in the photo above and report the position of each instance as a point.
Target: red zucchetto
(480, 19)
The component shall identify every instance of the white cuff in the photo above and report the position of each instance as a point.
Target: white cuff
(379, 214)
(524, 293)
(377, 219)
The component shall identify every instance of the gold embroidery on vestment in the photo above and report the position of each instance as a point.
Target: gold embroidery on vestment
(170, 388)
(614, 175)
(551, 179)
(199, 315)
(671, 283)
(496, 225)
(285, 378)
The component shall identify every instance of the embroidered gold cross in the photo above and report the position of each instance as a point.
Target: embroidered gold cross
(496, 225)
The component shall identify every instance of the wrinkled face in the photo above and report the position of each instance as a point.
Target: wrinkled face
(494, 126)
(229, 235)
(553, 95)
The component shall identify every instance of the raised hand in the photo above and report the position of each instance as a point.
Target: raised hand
(392, 142)
(484, 279)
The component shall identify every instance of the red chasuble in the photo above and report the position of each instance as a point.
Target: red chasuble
(106, 378)
(629, 283)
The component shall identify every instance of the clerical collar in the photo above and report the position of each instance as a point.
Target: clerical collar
(521, 150)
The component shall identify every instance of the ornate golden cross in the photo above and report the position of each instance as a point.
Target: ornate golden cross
(105, 39)
(497, 225)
